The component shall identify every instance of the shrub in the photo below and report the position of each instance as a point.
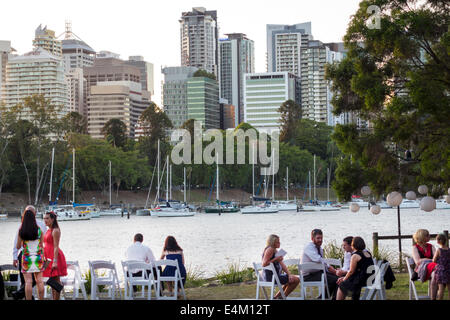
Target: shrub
(333, 251)
(194, 277)
(234, 274)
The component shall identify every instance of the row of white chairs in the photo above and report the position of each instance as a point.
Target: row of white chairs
(375, 291)
(104, 273)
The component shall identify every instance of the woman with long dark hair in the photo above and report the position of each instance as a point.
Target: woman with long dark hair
(173, 251)
(31, 239)
(57, 267)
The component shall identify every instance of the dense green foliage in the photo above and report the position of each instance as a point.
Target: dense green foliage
(396, 77)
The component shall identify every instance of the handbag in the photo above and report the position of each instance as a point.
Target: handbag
(54, 284)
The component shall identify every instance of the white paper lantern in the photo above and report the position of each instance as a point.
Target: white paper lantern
(448, 191)
(411, 195)
(447, 199)
(375, 209)
(423, 189)
(428, 204)
(365, 191)
(394, 199)
(354, 207)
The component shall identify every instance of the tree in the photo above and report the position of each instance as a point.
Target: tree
(75, 123)
(204, 73)
(398, 78)
(291, 113)
(115, 131)
(313, 136)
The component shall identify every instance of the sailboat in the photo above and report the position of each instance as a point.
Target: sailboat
(67, 212)
(265, 206)
(170, 208)
(222, 206)
(112, 211)
(286, 205)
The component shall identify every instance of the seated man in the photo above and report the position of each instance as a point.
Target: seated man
(347, 246)
(313, 252)
(138, 252)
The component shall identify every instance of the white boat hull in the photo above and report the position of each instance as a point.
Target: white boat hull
(259, 210)
(143, 212)
(172, 213)
(3, 216)
(112, 212)
(286, 206)
(442, 204)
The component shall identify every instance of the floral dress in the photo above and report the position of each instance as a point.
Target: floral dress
(33, 255)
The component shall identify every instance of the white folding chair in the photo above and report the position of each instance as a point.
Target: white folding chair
(110, 279)
(413, 295)
(74, 280)
(376, 290)
(176, 279)
(145, 279)
(294, 295)
(334, 262)
(262, 283)
(322, 285)
(14, 272)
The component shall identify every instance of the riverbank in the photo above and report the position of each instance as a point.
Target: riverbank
(13, 203)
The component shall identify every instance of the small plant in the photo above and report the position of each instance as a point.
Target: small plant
(194, 277)
(388, 255)
(10, 276)
(87, 276)
(333, 251)
(234, 274)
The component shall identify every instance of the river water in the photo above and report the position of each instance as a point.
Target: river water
(211, 242)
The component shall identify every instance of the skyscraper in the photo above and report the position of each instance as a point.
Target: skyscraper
(175, 93)
(237, 57)
(284, 45)
(199, 39)
(146, 69)
(46, 39)
(36, 72)
(5, 54)
(203, 101)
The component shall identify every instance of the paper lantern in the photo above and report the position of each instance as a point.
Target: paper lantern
(447, 199)
(365, 191)
(394, 199)
(428, 204)
(354, 207)
(411, 195)
(375, 209)
(423, 189)
(448, 191)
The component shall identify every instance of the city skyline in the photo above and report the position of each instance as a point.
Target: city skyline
(129, 31)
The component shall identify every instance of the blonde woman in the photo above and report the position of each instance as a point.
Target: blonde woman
(289, 282)
(423, 252)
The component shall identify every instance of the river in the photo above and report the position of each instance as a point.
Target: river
(211, 242)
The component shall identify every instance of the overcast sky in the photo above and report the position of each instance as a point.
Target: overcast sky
(151, 28)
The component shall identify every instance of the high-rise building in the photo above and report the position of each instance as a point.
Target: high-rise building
(237, 57)
(146, 69)
(121, 100)
(227, 115)
(5, 54)
(75, 90)
(264, 94)
(36, 72)
(199, 34)
(77, 54)
(284, 45)
(174, 92)
(203, 101)
(46, 39)
(316, 93)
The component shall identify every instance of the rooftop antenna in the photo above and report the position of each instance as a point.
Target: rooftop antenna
(68, 33)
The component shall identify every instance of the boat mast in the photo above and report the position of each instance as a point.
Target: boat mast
(167, 179)
(184, 184)
(273, 175)
(314, 177)
(253, 171)
(51, 177)
(157, 191)
(309, 182)
(217, 174)
(110, 184)
(287, 183)
(73, 177)
(170, 188)
(328, 184)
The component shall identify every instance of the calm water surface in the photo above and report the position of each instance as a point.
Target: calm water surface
(210, 242)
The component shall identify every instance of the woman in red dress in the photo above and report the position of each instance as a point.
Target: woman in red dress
(57, 267)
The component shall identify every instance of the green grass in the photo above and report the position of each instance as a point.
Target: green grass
(234, 273)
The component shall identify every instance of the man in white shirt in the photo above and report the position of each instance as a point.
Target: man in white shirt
(347, 246)
(313, 252)
(17, 255)
(138, 252)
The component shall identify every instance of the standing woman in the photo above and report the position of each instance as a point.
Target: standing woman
(172, 251)
(31, 239)
(57, 267)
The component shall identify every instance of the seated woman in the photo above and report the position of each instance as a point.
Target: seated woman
(357, 276)
(423, 252)
(289, 282)
(172, 251)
